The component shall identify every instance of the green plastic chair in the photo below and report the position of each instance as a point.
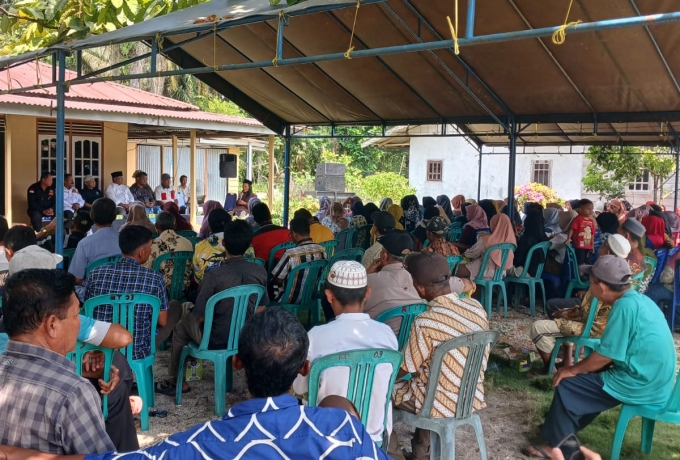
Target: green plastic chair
(362, 365)
(76, 356)
(443, 430)
(583, 341)
(574, 277)
(272, 254)
(531, 282)
(100, 263)
(346, 238)
(365, 231)
(356, 254)
(223, 369)
(68, 256)
(426, 243)
(123, 305)
(312, 272)
(194, 240)
(636, 281)
(154, 236)
(497, 280)
(454, 262)
(187, 233)
(330, 247)
(408, 314)
(256, 260)
(178, 259)
(650, 415)
(454, 232)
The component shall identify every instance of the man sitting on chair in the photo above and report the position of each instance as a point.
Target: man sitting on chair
(347, 290)
(446, 318)
(317, 232)
(169, 241)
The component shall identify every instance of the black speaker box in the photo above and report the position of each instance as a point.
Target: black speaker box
(228, 167)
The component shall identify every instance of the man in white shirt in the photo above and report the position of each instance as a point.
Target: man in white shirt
(73, 201)
(185, 191)
(119, 193)
(164, 193)
(347, 290)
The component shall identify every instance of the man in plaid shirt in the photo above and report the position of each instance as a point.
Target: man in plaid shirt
(129, 276)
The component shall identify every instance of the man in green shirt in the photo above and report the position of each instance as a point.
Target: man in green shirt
(634, 363)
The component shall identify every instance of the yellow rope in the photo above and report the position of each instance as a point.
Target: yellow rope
(9, 80)
(214, 64)
(37, 74)
(275, 61)
(348, 53)
(454, 30)
(535, 131)
(560, 34)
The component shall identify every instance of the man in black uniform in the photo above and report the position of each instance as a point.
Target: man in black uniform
(41, 200)
(90, 191)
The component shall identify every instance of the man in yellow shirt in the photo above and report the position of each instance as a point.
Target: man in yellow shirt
(317, 232)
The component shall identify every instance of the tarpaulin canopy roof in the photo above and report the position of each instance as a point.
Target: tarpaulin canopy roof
(613, 85)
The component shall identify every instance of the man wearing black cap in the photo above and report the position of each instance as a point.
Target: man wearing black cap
(118, 192)
(245, 196)
(447, 317)
(82, 223)
(383, 223)
(41, 200)
(391, 285)
(143, 193)
(636, 352)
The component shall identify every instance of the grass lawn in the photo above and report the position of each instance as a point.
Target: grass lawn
(599, 435)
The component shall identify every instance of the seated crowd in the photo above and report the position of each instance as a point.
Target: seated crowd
(428, 256)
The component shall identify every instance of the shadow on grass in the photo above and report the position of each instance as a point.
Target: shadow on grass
(504, 376)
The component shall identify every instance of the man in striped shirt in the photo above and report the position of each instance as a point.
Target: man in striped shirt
(446, 318)
(305, 250)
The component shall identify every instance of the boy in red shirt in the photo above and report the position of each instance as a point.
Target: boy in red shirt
(582, 231)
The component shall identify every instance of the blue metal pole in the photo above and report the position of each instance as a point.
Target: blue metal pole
(286, 177)
(677, 171)
(470, 23)
(479, 176)
(511, 167)
(61, 153)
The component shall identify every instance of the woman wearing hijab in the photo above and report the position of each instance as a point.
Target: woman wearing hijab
(552, 226)
(324, 208)
(516, 217)
(607, 225)
(398, 214)
(656, 231)
(501, 232)
(534, 233)
(639, 213)
(208, 206)
(444, 203)
(420, 233)
(336, 220)
(674, 222)
(250, 219)
(180, 222)
(656, 211)
(572, 205)
(411, 209)
(489, 208)
(558, 248)
(137, 216)
(358, 212)
(617, 208)
(476, 224)
(429, 202)
(385, 203)
(457, 203)
(462, 218)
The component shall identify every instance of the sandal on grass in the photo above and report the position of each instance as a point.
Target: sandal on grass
(538, 452)
(167, 389)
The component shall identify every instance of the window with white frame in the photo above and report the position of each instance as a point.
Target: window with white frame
(641, 183)
(541, 172)
(434, 170)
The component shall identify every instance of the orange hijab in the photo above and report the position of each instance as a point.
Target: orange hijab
(501, 232)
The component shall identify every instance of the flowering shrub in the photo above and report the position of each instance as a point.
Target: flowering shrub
(536, 193)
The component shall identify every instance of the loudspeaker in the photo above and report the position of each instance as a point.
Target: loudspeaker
(228, 165)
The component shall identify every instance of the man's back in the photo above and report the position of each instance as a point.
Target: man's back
(351, 331)
(447, 317)
(391, 287)
(44, 405)
(269, 428)
(128, 276)
(170, 241)
(266, 238)
(318, 233)
(102, 243)
(305, 251)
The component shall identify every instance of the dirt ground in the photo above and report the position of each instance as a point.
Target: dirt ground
(506, 421)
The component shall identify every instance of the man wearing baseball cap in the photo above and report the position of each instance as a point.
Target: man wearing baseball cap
(165, 193)
(119, 193)
(346, 290)
(447, 317)
(391, 285)
(636, 349)
(436, 233)
(383, 223)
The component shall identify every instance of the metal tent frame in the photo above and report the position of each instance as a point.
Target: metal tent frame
(481, 114)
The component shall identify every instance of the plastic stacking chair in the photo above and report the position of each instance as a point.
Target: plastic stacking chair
(362, 365)
(650, 415)
(443, 430)
(574, 277)
(68, 256)
(356, 254)
(272, 255)
(652, 262)
(583, 341)
(100, 263)
(408, 314)
(636, 281)
(194, 240)
(346, 238)
(454, 232)
(123, 312)
(311, 271)
(330, 247)
(256, 260)
(76, 356)
(187, 233)
(497, 279)
(223, 369)
(531, 282)
(454, 262)
(180, 260)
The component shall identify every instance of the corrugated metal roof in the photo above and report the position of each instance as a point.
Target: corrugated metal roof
(103, 97)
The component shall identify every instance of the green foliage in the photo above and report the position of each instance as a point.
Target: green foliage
(611, 169)
(217, 104)
(384, 184)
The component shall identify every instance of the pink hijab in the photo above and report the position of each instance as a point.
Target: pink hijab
(501, 232)
(476, 217)
(208, 206)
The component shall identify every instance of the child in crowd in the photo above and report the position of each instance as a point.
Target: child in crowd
(582, 231)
